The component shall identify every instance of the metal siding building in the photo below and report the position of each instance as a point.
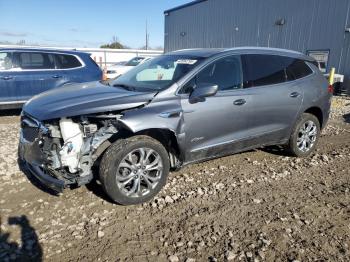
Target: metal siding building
(291, 24)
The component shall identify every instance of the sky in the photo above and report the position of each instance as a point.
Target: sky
(79, 23)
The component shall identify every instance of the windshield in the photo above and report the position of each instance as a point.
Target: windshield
(158, 73)
(135, 61)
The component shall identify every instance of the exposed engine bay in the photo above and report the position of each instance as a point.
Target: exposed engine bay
(70, 146)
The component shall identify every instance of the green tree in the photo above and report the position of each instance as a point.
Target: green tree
(115, 44)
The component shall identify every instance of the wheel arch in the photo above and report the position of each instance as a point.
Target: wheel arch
(165, 136)
(317, 112)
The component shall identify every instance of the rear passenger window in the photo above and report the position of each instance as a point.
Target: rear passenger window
(260, 70)
(298, 69)
(67, 61)
(5, 61)
(29, 60)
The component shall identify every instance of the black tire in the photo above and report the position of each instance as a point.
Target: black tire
(292, 146)
(110, 166)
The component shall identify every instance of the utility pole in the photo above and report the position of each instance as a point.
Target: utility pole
(147, 36)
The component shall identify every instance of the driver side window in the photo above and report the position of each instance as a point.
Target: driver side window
(225, 72)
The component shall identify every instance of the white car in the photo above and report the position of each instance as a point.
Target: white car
(117, 70)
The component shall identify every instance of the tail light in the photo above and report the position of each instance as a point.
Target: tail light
(330, 89)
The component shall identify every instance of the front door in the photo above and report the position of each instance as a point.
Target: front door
(213, 125)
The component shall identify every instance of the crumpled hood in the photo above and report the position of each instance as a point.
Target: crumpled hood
(82, 99)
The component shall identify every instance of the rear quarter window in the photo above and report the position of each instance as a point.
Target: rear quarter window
(298, 69)
(67, 61)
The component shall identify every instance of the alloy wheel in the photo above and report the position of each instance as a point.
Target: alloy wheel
(139, 172)
(307, 136)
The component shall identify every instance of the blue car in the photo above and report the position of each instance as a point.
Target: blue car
(27, 72)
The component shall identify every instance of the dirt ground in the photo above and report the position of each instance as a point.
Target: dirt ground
(255, 206)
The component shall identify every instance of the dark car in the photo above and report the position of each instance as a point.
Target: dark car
(180, 108)
(27, 72)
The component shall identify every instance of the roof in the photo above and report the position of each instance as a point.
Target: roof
(207, 52)
(184, 6)
(52, 50)
(200, 52)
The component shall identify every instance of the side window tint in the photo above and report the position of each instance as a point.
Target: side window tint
(260, 70)
(5, 61)
(28, 60)
(67, 61)
(225, 72)
(298, 69)
(188, 87)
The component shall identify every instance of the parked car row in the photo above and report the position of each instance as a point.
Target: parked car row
(118, 69)
(28, 72)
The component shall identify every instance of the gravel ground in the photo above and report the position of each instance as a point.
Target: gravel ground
(256, 206)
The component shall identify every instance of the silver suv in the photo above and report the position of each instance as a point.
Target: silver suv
(180, 108)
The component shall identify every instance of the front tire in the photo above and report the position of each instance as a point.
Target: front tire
(134, 170)
(305, 136)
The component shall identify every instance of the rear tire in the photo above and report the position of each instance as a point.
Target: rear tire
(305, 136)
(134, 170)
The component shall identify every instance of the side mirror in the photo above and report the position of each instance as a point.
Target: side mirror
(202, 91)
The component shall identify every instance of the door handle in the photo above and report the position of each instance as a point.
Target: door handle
(294, 94)
(7, 77)
(56, 76)
(239, 102)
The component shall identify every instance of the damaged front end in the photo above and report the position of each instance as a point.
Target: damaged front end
(62, 152)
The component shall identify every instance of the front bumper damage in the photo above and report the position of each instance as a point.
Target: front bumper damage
(49, 181)
(32, 160)
(37, 156)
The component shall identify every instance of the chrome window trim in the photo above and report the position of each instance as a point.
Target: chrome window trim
(13, 102)
(313, 73)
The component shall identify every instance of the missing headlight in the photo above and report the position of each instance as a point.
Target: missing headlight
(89, 129)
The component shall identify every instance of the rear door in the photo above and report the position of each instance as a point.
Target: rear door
(275, 98)
(35, 73)
(69, 68)
(7, 84)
